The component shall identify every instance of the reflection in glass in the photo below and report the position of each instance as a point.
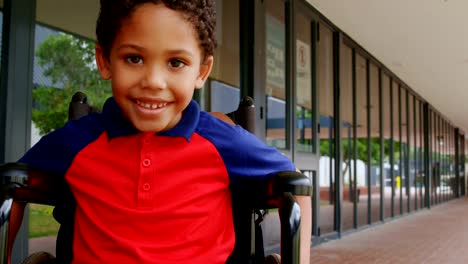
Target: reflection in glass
(411, 154)
(275, 74)
(387, 136)
(347, 138)
(452, 183)
(375, 172)
(304, 142)
(55, 81)
(443, 160)
(404, 150)
(222, 94)
(226, 57)
(325, 86)
(397, 152)
(463, 177)
(464, 161)
(448, 162)
(436, 158)
(361, 142)
(420, 178)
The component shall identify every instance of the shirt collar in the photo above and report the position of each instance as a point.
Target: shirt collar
(116, 125)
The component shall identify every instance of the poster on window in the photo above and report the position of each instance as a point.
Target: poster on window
(303, 74)
(275, 57)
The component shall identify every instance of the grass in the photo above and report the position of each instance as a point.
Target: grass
(41, 222)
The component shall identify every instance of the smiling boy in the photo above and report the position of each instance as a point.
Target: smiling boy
(149, 178)
(155, 62)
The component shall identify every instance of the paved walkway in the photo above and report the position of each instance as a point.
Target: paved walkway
(439, 235)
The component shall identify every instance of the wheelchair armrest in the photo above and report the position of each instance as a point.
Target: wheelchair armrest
(293, 182)
(20, 183)
(277, 190)
(24, 184)
(281, 188)
(264, 193)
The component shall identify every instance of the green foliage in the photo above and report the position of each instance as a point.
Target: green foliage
(41, 222)
(69, 62)
(361, 146)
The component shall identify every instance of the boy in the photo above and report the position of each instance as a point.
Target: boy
(149, 177)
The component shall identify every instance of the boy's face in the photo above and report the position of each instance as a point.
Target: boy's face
(155, 64)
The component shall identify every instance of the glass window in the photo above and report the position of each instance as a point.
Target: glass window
(222, 94)
(375, 173)
(55, 80)
(325, 93)
(452, 184)
(397, 150)
(362, 162)
(347, 137)
(437, 140)
(443, 159)
(275, 74)
(386, 134)
(465, 166)
(420, 177)
(304, 141)
(227, 57)
(404, 149)
(412, 154)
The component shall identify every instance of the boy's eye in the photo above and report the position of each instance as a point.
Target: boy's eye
(175, 63)
(134, 59)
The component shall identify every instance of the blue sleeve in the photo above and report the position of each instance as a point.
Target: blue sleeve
(242, 152)
(55, 151)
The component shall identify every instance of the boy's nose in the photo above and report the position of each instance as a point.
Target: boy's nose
(155, 79)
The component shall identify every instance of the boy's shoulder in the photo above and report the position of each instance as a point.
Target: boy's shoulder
(55, 151)
(217, 123)
(223, 133)
(243, 153)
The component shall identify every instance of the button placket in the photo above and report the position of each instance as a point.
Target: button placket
(145, 197)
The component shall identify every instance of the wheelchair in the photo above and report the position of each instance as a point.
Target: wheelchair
(22, 184)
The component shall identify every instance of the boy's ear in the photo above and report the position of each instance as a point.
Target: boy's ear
(205, 70)
(102, 63)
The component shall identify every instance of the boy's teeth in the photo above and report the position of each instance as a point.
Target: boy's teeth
(151, 106)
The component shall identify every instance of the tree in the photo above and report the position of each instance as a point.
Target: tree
(347, 151)
(68, 62)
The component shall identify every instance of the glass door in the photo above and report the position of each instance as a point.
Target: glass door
(307, 143)
(285, 76)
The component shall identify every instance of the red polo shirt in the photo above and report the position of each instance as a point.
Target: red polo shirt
(153, 198)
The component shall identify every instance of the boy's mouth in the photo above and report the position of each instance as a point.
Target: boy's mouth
(150, 105)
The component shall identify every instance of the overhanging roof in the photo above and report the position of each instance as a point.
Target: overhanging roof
(425, 43)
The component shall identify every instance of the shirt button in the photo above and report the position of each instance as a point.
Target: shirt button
(146, 187)
(147, 141)
(146, 162)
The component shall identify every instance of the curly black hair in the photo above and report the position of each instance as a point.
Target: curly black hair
(200, 13)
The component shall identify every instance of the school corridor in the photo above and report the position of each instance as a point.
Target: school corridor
(438, 235)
